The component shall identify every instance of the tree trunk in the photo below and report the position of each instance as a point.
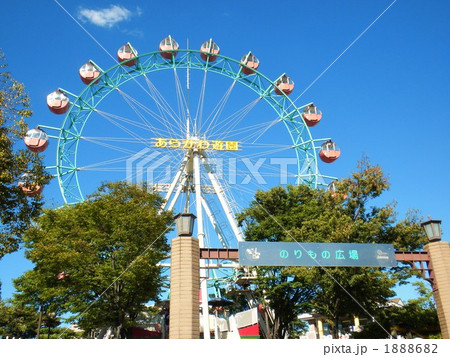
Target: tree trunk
(335, 329)
(117, 331)
(39, 323)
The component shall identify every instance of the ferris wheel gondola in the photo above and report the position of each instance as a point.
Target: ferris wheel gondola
(36, 140)
(127, 55)
(168, 47)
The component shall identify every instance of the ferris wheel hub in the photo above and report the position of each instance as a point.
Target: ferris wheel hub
(195, 136)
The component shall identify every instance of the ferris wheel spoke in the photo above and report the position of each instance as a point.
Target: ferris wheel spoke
(247, 177)
(111, 139)
(155, 174)
(217, 111)
(240, 131)
(266, 166)
(200, 104)
(164, 121)
(182, 102)
(135, 104)
(109, 146)
(128, 131)
(264, 145)
(234, 119)
(233, 203)
(254, 130)
(269, 152)
(258, 153)
(125, 120)
(258, 170)
(266, 129)
(104, 169)
(106, 162)
(164, 108)
(114, 119)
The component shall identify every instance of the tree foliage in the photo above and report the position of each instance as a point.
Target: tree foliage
(285, 295)
(302, 214)
(16, 210)
(17, 320)
(98, 259)
(418, 318)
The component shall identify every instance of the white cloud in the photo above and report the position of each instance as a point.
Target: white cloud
(107, 17)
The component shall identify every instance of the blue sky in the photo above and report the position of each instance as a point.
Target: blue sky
(385, 98)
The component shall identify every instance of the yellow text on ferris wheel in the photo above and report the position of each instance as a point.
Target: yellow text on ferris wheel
(218, 145)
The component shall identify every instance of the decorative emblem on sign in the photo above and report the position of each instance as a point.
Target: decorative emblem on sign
(382, 255)
(252, 253)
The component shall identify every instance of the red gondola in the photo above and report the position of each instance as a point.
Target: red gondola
(208, 50)
(329, 152)
(28, 185)
(284, 85)
(312, 115)
(89, 73)
(332, 186)
(169, 47)
(57, 102)
(333, 190)
(62, 275)
(125, 55)
(251, 61)
(36, 140)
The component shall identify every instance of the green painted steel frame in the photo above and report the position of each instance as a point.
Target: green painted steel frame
(83, 105)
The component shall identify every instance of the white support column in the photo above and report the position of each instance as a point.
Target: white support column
(201, 239)
(198, 200)
(177, 194)
(214, 223)
(174, 182)
(223, 201)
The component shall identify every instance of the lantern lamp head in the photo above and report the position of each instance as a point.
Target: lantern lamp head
(432, 229)
(185, 224)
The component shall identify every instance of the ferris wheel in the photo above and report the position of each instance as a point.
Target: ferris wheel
(202, 129)
(161, 119)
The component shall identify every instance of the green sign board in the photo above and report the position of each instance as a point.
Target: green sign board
(316, 254)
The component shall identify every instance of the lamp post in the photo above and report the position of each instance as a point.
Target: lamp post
(439, 255)
(432, 229)
(184, 317)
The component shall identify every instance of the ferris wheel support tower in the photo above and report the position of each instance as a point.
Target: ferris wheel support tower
(188, 179)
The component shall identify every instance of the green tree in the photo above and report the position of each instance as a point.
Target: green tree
(302, 214)
(417, 318)
(16, 210)
(285, 295)
(98, 259)
(17, 320)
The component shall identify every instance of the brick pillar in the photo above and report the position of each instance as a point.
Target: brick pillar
(439, 253)
(184, 286)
